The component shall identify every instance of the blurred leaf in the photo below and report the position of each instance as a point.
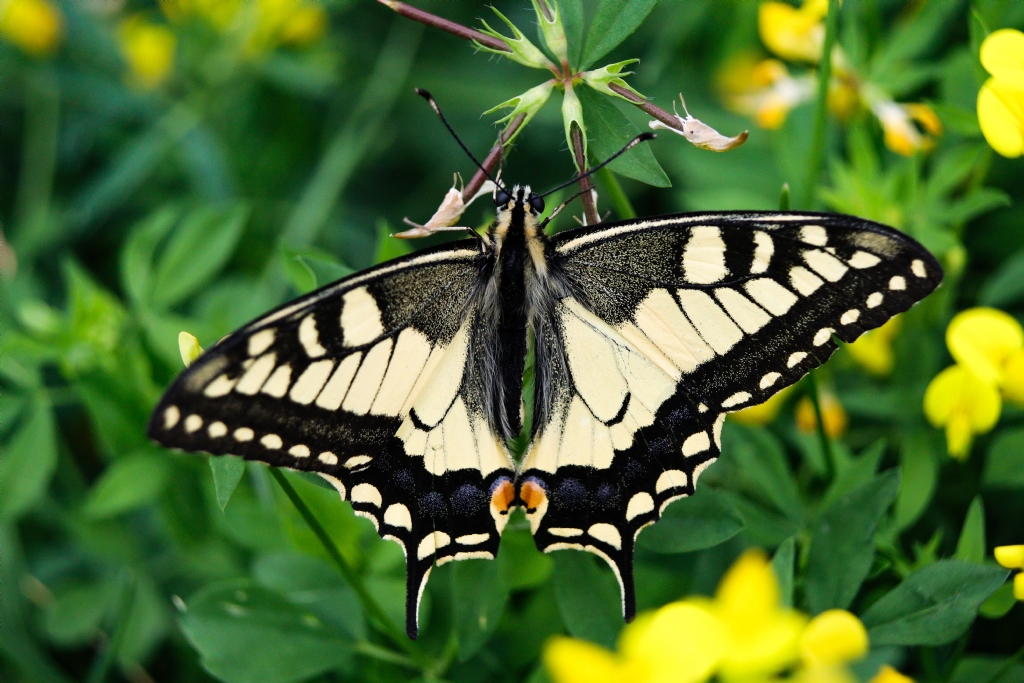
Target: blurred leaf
(246, 633)
(128, 483)
(762, 461)
(971, 669)
(614, 22)
(29, 460)
(478, 601)
(919, 473)
(204, 158)
(148, 622)
(842, 543)
(301, 76)
(197, 250)
(389, 592)
(852, 474)
(971, 545)
(701, 521)
(11, 407)
(914, 37)
(138, 251)
(588, 598)
(338, 519)
(979, 201)
(782, 563)
(953, 168)
(609, 131)
(227, 472)
(1006, 285)
(934, 605)
(74, 616)
(314, 584)
(958, 120)
(309, 269)
(520, 564)
(999, 603)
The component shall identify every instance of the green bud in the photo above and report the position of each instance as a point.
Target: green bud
(600, 79)
(523, 51)
(189, 348)
(529, 103)
(554, 33)
(572, 112)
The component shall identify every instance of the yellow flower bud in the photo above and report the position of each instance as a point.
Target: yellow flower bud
(306, 26)
(189, 348)
(1018, 586)
(35, 26)
(887, 674)
(1010, 556)
(833, 637)
(832, 413)
(149, 50)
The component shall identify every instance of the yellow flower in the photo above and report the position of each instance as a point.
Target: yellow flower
(873, 350)
(965, 405)
(985, 340)
(887, 674)
(833, 637)
(900, 133)
(149, 50)
(832, 413)
(1010, 556)
(305, 26)
(1001, 98)
(763, 90)
(791, 33)
(286, 21)
(35, 26)
(219, 13)
(763, 413)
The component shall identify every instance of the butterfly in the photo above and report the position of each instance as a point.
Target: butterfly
(402, 385)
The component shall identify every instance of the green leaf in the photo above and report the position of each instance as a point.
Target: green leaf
(246, 633)
(520, 564)
(782, 563)
(1004, 466)
(854, 473)
(979, 201)
(478, 601)
(701, 521)
(74, 616)
(312, 268)
(971, 545)
(609, 131)
(974, 668)
(28, 462)
(1006, 285)
(588, 598)
(148, 623)
(934, 605)
(198, 249)
(227, 472)
(128, 483)
(614, 22)
(11, 407)
(999, 603)
(137, 254)
(919, 472)
(842, 543)
(761, 459)
(573, 21)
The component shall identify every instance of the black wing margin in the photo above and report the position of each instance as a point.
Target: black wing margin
(366, 383)
(673, 322)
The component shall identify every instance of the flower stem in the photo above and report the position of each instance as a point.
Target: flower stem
(455, 29)
(821, 107)
(351, 577)
(826, 444)
(618, 198)
(647, 106)
(589, 207)
(491, 160)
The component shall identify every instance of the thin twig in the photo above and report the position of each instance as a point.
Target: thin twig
(821, 107)
(445, 25)
(589, 207)
(492, 158)
(654, 110)
(351, 577)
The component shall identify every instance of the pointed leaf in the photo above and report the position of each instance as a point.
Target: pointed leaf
(701, 521)
(28, 462)
(609, 131)
(478, 601)
(588, 598)
(971, 545)
(227, 472)
(614, 22)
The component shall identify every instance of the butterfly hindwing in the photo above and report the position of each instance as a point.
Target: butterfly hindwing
(365, 382)
(671, 323)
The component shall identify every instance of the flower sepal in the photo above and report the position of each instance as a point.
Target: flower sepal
(602, 79)
(528, 103)
(521, 49)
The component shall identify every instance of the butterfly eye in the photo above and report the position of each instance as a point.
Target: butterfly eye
(537, 202)
(502, 198)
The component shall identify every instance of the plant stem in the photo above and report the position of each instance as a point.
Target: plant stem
(365, 647)
(616, 196)
(826, 445)
(491, 160)
(589, 207)
(646, 105)
(351, 577)
(105, 657)
(821, 107)
(455, 29)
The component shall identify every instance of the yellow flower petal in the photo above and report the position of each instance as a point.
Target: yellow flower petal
(1010, 556)
(796, 34)
(873, 350)
(683, 642)
(576, 661)
(1013, 377)
(926, 116)
(825, 674)
(1018, 586)
(957, 400)
(832, 412)
(981, 339)
(35, 26)
(149, 51)
(1001, 116)
(1002, 54)
(833, 637)
(887, 674)
(189, 348)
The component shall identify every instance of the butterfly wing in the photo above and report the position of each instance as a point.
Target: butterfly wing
(366, 383)
(670, 323)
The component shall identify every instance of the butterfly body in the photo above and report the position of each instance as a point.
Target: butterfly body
(402, 385)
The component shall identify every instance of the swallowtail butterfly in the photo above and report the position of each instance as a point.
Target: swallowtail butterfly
(401, 385)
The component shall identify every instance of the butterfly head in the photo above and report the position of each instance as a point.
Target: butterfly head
(520, 197)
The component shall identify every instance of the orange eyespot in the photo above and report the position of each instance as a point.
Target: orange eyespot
(532, 495)
(502, 495)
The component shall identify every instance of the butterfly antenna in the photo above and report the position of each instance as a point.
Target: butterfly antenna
(630, 145)
(437, 110)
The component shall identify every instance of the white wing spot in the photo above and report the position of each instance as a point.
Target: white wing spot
(742, 310)
(171, 416)
(310, 338)
(763, 252)
(217, 429)
(272, 442)
(398, 515)
(256, 375)
(736, 399)
(713, 324)
(850, 317)
(366, 493)
(261, 341)
(671, 479)
(431, 543)
(328, 458)
(472, 539)
(704, 256)
(603, 531)
(717, 431)
(804, 281)
(243, 434)
(334, 393)
(917, 268)
(220, 386)
(641, 503)
(823, 335)
(769, 379)
(696, 443)
(875, 299)
(772, 296)
(357, 461)
(795, 359)
(699, 470)
(565, 532)
(311, 381)
(825, 265)
(814, 234)
(277, 385)
(897, 283)
(299, 451)
(862, 259)
(192, 423)
(360, 318)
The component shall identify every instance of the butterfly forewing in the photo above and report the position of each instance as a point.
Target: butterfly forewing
(365, 382)
(673, 322)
